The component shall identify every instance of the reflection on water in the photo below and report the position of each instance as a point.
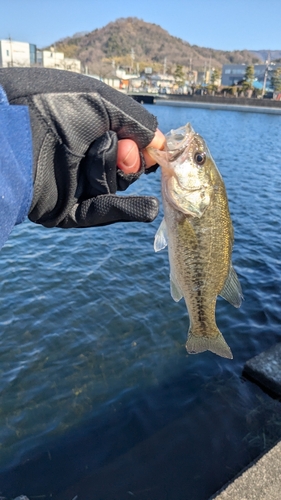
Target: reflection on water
(95, 380)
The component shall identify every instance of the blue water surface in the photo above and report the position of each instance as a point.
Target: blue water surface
(98, 395)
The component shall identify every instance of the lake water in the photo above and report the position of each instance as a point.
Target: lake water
(98, 396)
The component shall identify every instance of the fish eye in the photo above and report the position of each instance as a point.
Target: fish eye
(200, 158)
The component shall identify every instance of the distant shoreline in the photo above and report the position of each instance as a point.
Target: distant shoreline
(211, 102)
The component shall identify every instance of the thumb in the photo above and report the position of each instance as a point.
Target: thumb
(128, 156)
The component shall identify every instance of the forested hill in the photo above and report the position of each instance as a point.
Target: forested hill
(268, 55)
(130, 41)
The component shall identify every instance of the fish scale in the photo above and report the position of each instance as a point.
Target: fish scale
(198, 230)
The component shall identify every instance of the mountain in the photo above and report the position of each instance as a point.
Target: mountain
(131, 41)
(266, 55)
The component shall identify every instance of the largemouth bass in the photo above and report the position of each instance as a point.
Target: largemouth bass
(198, 231)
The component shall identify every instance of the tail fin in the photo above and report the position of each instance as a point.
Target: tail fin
(218, 345)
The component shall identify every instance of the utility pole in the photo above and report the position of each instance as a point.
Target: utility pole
(165, 66)
(132, 59)
(11, 49)
(266, 73)
(205, 72)
(190, 76)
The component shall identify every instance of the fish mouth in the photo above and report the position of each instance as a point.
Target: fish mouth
(178, 140)
(177, 143)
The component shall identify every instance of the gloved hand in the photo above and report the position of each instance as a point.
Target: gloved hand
(76, 122)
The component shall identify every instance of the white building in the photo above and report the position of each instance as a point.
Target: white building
(25, 54)
(52, 59)
(124, 75)
(14, 53)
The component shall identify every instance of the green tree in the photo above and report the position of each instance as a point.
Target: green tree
(249, 78)
(276, 80)
(215, 77)
(179, 75)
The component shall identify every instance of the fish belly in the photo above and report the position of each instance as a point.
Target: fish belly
(200, 257)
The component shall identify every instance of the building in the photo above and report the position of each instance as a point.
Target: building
(53, 59)
(125, 73)
(14, 53)
(192, 77)
(203, 77)
(23, 54)
(234, 73)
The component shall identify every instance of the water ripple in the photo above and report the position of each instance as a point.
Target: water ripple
(87, 318)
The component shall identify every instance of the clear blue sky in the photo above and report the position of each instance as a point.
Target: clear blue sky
(219, 24)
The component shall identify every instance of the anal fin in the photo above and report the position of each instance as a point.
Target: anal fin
(232, 291)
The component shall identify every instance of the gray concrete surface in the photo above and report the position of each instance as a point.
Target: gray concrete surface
(265, 369)
(219, 106)
(260, 481)
(218, 99)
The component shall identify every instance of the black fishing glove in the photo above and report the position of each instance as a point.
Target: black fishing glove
(76, 122)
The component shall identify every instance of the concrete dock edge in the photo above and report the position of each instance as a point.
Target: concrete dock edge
(260, 480)
(219, 106)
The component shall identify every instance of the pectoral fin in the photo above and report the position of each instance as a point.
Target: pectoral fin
(161, 240)
(232, 291)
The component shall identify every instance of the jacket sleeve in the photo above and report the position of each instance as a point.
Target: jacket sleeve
(16, 185)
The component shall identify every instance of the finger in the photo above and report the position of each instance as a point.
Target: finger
(128, 158)
(158, 143)
(108, 209)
